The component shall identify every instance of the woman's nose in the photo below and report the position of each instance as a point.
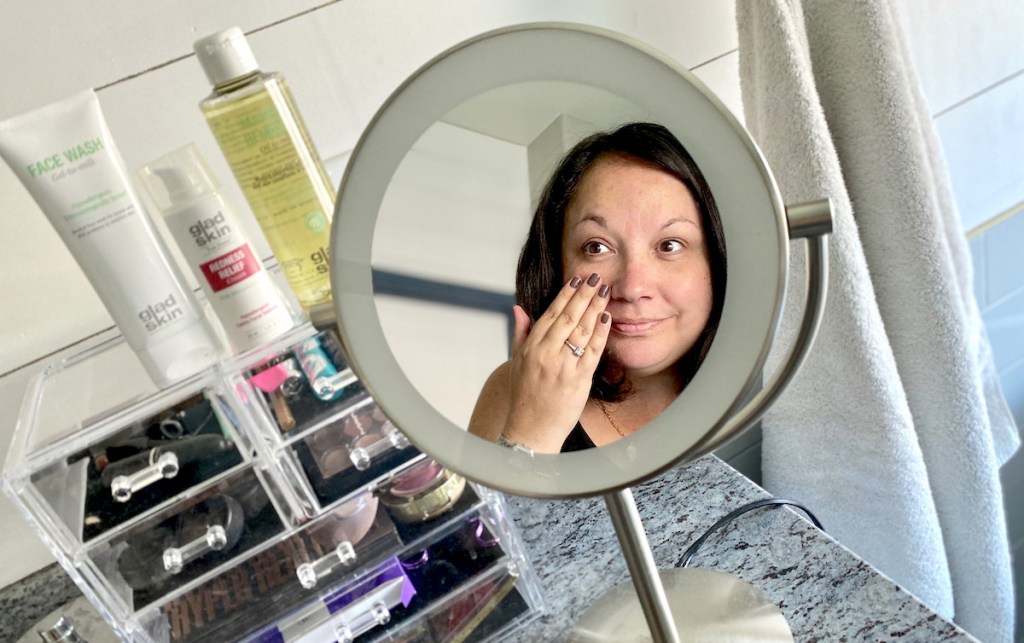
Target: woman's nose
(630, 279)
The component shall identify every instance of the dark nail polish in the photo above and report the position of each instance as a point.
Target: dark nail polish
(594, 278)
(575, 282)
(603, 292)
(605, 317)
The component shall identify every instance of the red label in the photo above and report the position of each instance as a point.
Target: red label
(230, 268)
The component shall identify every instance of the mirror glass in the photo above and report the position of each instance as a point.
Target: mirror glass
(433, 210)
(452, 223)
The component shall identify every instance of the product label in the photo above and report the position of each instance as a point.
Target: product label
(242, 294)
(269, 151)
(210, 230)
(73, 154)
(230, 268)
(83, 225)
(161, 313)
(320, 260)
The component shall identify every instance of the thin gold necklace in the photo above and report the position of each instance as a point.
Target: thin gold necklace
(604, 409)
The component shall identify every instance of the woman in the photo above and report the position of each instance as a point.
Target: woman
(620, 287)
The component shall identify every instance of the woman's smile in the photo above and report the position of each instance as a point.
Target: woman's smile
(634, 327)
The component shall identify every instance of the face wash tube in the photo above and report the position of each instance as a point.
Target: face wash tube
(65, 157)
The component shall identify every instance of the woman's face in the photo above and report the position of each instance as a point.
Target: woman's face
(640, 229)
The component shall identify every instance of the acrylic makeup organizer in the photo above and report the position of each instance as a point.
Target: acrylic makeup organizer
(267, 499)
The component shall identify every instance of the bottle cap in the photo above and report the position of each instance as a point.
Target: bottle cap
(178, 178)
(225, 55)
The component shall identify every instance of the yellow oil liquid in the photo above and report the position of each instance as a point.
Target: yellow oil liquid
(266, 144)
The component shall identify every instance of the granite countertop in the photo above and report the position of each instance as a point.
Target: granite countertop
(825, 592)
(24, 603)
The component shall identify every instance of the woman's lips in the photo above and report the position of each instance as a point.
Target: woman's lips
(634, 327)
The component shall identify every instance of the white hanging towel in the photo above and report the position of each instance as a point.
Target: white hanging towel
(894, 430)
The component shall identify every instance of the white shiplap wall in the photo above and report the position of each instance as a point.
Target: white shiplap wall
(341, 58)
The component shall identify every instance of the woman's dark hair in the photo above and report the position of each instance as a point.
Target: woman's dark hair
(539, 274)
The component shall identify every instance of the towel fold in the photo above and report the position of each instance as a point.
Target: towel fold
(894, 430)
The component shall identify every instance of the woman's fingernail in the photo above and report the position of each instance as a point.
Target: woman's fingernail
(605, 317)
(594, 278)
(575, 282)
(603, 291)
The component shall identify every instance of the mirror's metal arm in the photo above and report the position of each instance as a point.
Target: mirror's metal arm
(637, 551)
(813, 222)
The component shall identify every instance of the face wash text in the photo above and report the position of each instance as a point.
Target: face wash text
(71, 155)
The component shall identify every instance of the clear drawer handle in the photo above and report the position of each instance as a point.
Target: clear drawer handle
(176, 557)
(378, 615)
(396, 437)
(165, 466)
(362, 456)
(310, 573)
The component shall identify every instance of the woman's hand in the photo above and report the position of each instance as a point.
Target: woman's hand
(549, 382)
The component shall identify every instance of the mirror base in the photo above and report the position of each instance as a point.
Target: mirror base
(706, 605)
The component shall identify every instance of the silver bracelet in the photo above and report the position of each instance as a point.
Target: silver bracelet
(515, 446)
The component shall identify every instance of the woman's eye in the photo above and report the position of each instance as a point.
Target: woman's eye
(671, 245)
(595, 248)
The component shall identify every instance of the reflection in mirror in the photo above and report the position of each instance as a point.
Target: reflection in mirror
(449, 233)
(453, 220)
(620, 287)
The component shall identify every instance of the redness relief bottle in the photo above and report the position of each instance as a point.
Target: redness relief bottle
(254, 119)
(213, 241)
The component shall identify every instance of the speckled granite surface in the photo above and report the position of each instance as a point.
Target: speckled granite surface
(24, 603)
(825, 592)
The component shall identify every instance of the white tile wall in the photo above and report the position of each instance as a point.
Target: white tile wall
(1012, 381)
(51, 48)
(1003, 312)
(1004, 259)
(961, 48)
(978, 246)
(1004, 321)
(984, 143)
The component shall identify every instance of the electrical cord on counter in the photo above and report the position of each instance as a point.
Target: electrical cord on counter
(684, 560)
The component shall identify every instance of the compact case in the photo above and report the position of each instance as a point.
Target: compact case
(267, 499)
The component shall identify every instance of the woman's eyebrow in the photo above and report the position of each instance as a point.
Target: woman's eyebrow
(596, 218)
(675, 220)
(601, 221)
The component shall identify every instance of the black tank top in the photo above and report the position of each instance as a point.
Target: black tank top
(577, 440)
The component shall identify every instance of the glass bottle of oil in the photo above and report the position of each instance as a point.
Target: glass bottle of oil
(253, 117)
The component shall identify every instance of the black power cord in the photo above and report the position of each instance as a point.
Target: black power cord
(684, 560)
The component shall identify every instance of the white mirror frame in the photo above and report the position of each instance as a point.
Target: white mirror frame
(753, 219)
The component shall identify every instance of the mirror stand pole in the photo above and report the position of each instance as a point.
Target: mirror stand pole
(637, 551)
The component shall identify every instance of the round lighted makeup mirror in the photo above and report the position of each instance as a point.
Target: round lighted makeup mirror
(512, 84)
(646, 85)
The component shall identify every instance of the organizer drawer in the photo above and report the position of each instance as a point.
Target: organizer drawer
(203, 531)
(83, 479)
(275, 585)
(454, 582)
(316, 420)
